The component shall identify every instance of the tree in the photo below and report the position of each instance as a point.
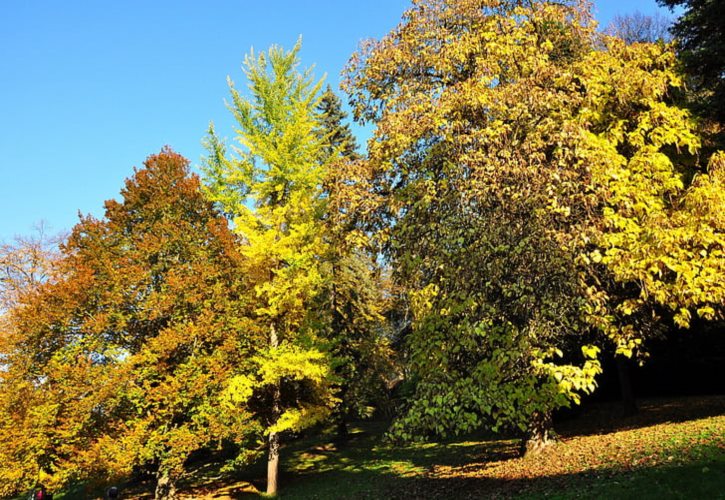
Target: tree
(657, 241)
(641, 28)
(272, 191)
(536, 185)
(25, 264)
(122, 361)
(334, 131)
(353, 290)
(641, 170)
(700, 31)
(463, 163)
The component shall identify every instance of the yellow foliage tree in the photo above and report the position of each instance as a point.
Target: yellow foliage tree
(272, 192)
(533, 180)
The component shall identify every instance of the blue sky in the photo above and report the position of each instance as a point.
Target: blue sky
(88, 89)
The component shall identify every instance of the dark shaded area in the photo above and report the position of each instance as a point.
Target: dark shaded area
(686, 363)
(700, 30)
(681, 363)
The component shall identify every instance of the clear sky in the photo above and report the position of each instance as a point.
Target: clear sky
(89, 88)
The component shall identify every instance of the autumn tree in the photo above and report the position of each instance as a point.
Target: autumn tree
(26, 263)
(536, 185)
(272, 192)
(659, 237)
(661, 241)
(464, 163)
(121, 362)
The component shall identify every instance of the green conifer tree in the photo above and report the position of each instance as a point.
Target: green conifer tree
(334, 129)
(353, 296)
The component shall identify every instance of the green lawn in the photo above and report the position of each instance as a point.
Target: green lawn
(671, 449)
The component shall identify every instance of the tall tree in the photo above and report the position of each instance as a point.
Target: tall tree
(353, 290)
(122, 361)
(272, 191)
(463, 164)
(534, 181)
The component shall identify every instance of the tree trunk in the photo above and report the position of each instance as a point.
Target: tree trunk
(273, 453)
(337, 321)
(165, 486)
(342, 433)
(540, 433)
(625, 383)
(273, 464)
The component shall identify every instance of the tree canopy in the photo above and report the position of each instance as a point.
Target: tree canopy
(533, 170)
(534, 197)
(120, 362)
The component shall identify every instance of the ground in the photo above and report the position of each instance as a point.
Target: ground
(674, 448)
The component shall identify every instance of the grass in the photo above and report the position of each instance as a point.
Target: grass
(671, 449)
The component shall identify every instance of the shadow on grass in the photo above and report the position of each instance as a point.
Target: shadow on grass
(365, 467)
(701, 480)
(704, 479)
(364, 459)
(410, 472)
(604, 418)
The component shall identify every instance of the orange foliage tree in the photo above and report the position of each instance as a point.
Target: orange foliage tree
(120, 363)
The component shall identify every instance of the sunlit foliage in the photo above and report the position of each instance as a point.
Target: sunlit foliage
(533, 182)
(121, 362)
(272, 192)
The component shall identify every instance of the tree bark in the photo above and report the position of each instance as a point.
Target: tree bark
(273, 453)
(165, 487)
(540, 434)
(629, 404)
(273, 463)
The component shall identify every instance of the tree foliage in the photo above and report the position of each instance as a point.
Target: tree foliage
(700, 31)
(121, 362)
(354, 292)
(335, 132)
(272, 191)
(463, 165)
(532, 195)
(659, 238)
(534, 182)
